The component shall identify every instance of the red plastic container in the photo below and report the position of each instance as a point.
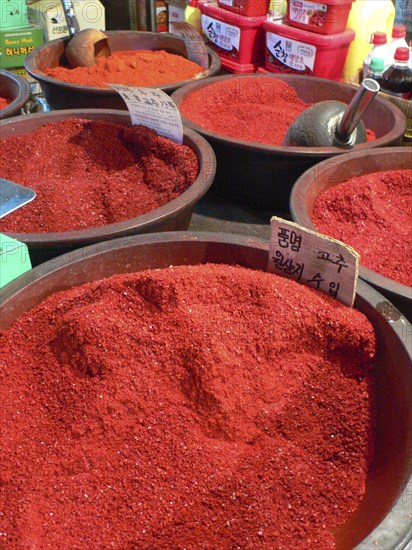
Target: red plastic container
(234, 37)
(248, 8)
(326, 17)
(292, 50)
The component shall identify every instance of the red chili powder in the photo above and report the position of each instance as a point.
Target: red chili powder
(4, 102)
(132, 68)
(253, 109)
(92, 173)
(372, 213)
(190, 407)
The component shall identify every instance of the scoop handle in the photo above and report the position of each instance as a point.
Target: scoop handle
(354, 111)
(72, 23)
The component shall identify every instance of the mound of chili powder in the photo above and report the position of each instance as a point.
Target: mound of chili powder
(251, 109)
(372, 213)
(190, 407)
(92, 173)
(132, 68)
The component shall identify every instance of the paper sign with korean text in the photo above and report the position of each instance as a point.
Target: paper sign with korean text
(313, 259)
(195, 45)
(154, 109)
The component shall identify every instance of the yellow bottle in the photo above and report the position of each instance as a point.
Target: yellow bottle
(192, 15)
(365, 18)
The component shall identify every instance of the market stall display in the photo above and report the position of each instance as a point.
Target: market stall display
(261, 171)
(385, 253)
(210, 406)
(96, 197)
(66, 95)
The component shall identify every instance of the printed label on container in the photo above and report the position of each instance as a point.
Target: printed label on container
(154, 109)
(195, 46)
(293, 54)
(309, 13)
(225, 36)
(313, 259)
(176, 15)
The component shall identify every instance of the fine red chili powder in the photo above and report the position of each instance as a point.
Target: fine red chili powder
(131, 68)
(92, 173)
(191, 407)
(372, 213)
(4, 102)
(253, 109)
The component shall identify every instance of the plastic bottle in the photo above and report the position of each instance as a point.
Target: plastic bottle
(380, 49)
(398, 39)
(366, 17)
(376, 69)
(192, 15)
(397, 80)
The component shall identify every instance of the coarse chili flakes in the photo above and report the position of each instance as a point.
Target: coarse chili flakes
(192, 407)
(372, 213)
(89, 173)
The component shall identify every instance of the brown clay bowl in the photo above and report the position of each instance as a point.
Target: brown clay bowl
(64, 95)
(382, 520)
(263, 175)
(334, 171)
(17, 89)
(174, 215)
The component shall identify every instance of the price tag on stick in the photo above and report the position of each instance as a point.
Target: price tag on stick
(313, 259)
(195, 45)
(154, 109)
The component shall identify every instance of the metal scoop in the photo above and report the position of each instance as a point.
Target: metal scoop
(13, 196)
(333, 123)
(86, 45)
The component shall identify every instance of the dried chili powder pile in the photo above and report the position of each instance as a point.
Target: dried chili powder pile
(191, 407)
(89, 173)
(372, 213)
(251, 109)
(132, 68)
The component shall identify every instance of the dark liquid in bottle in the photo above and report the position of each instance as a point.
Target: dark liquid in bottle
(398, 81)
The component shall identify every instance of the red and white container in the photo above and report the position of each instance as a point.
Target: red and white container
(239, 40)
(248, 8)
(326, 17)
(292, 50)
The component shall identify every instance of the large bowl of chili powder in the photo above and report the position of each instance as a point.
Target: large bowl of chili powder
(254, 167)
(14, 93)
(108, 170)
(66, 95)
(358, 213)
(107, 451)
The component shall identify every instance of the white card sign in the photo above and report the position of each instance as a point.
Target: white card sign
(154, 109)
(195, 45)
(313, 259)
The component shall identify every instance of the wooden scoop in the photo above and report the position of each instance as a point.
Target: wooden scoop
(333, 123)
(86, 45)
